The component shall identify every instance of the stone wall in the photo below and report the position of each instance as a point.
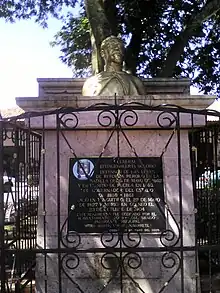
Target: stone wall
(152, 274)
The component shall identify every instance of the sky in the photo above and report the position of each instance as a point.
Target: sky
(25, 55)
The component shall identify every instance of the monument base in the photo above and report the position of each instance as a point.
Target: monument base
(78, 254)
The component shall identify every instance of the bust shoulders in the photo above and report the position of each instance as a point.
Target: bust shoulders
(110, 82)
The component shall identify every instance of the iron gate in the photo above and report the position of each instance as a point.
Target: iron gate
(101, 199)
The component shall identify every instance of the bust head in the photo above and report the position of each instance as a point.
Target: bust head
(112, 51)
(113, 80)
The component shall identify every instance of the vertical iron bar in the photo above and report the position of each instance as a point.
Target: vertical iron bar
(31, 224)
(43, 176)
(17, 203)
(208, 196)
(180, 200)
(216, 191)
(195, 197)
(30, 168)
(58, 199)
(120, 230)
(2, 217)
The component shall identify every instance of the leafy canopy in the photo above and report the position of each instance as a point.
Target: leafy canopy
(12, 10)
(165, 38)
(74, 40)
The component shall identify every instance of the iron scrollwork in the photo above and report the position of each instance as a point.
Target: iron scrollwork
(131, 260)
(70, 262)
(69, 120)
(15, 135)
(166, 119)
(107, 118)
(105, 264)
(169, 238)
(131, 239)
(69, 239)
(128, 117)
(109, 239)
(170, 260)
(9, 134)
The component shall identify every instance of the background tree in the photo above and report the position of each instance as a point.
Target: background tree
(12, 10)
(165, 38)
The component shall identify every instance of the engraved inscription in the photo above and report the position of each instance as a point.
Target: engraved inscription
(117, 194)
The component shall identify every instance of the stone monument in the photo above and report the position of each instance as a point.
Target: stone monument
(113, 80)
(124, 141)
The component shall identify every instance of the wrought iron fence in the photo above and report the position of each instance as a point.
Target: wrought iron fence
(105, 199)
(20, 161)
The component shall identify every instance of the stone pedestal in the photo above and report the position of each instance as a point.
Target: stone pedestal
(158, 261)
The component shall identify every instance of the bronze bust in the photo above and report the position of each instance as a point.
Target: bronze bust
(113, 80)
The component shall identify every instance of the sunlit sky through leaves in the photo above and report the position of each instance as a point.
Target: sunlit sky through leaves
(25, 55)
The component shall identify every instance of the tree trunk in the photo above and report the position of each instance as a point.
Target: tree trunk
(111, 14)
(175, 52)
(133, 49)
(100, 29)
(97, 62)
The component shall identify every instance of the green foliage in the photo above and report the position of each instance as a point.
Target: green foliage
(206, 58)
(152, 29)
(12, 10)
(165, 38)
(74, 39)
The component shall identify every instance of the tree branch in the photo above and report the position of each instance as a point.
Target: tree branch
(174, 54)
(100, 27)
(133, 49)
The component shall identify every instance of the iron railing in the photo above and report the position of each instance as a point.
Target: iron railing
(64, 232)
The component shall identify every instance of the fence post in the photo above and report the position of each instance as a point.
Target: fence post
(2, 217)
